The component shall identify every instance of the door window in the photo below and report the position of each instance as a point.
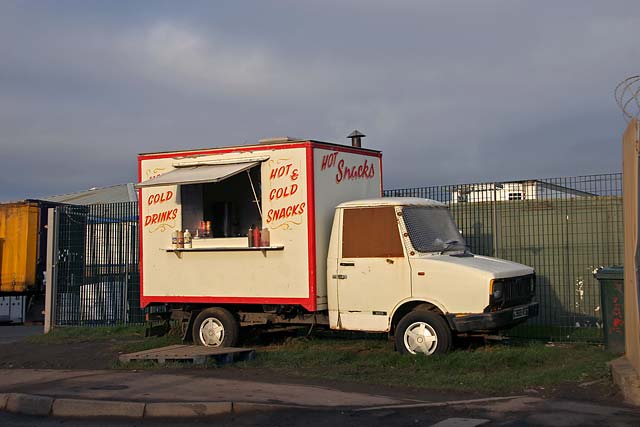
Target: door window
(371, 233)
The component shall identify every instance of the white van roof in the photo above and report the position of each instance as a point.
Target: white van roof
(391, 201)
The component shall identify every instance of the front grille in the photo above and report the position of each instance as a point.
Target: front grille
(516, 291)
(516, 288)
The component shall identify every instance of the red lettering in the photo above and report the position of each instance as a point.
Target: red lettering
(281, 171)
(159, 198)
(339, 174)
(364, 170)
(160, 217)
(328, 160)
(282, 192)
(287, 212)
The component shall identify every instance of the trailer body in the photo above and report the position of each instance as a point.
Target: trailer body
(19, 242)
(297, 184)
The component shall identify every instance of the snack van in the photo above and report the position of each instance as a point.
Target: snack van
(296, 232)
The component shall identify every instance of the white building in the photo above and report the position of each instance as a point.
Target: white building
(515, 190)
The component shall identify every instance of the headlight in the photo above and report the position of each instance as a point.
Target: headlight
(532, 284)
(496, 289)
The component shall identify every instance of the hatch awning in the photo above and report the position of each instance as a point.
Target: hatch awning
(198, 174)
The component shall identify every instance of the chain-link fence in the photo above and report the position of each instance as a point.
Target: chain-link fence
(563, 227)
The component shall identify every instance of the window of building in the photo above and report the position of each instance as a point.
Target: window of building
(515, 196)
(371, 233)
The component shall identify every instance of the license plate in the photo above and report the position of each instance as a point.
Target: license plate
(520, 312)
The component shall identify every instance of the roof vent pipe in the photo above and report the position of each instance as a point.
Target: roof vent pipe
(356, 138)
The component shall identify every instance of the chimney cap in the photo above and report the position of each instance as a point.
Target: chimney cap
(355, 134)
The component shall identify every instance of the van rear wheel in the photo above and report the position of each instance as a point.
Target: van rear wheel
(423, 332)
(215, 327)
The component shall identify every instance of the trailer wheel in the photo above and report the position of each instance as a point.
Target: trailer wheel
(423, 332)
(215, 327)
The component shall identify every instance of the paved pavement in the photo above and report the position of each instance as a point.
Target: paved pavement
(154, 386)
(148, 396)
(15, 333)
(101, 394)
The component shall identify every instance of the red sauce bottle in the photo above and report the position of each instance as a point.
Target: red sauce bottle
(256, 237)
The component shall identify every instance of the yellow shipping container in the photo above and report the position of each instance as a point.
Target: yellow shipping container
(18, 246)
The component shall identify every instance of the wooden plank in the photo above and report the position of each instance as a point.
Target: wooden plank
(195, 354)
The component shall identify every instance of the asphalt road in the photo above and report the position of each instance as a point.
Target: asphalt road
(14, 333)
(436, 417)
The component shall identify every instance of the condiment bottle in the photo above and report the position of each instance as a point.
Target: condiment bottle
(187, 239)
(174, 240)
(250, 236)
(180, 239)
(256, 237)
(265, 239)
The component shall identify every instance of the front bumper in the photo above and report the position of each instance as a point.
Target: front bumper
(502, 319)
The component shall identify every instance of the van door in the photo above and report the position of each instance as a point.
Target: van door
(373, 273)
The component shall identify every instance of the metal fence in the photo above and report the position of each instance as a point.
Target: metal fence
(563, 227)
(97, 275)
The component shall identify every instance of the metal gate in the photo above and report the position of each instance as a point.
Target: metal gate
(96, 275)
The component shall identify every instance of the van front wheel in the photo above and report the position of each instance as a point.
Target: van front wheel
(215, 327)
(423, 332)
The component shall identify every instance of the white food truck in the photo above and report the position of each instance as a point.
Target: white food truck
(336, 253)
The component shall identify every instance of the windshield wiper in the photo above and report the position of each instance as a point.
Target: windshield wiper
(448, 245)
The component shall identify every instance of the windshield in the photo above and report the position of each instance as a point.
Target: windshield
(431, 229)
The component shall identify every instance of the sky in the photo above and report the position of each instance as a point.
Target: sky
(451, 91)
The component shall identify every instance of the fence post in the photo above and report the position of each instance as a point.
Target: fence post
(52, 276)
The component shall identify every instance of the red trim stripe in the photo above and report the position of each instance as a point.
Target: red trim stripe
(311, 229)
(140, 229)
(146, 300)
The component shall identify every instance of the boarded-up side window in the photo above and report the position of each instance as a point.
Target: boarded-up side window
(371, 233)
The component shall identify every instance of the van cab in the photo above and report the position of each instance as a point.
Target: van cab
(401, 265)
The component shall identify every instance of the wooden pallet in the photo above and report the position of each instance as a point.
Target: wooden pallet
(192, 353)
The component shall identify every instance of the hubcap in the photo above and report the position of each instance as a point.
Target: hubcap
(420, 337)
(211, 332)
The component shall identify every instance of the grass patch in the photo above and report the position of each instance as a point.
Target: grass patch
(68, 335)
(557, 333)
(497, 368)
(149, 343)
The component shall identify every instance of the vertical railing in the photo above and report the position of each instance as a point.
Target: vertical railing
(563, 227)
(97, 265)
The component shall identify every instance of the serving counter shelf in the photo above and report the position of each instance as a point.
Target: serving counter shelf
(225, 249)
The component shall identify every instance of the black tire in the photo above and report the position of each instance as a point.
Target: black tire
(423, 324)
(215, 327)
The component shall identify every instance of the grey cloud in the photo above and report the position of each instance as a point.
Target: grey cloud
(451, 92)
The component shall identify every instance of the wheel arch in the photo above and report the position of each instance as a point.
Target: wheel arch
(406, 307)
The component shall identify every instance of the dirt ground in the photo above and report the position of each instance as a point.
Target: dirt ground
(104, 355)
